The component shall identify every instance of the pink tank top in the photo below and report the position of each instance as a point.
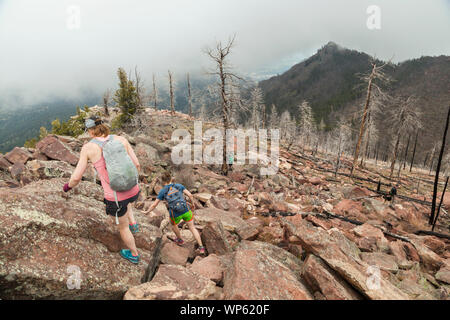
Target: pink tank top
(100, 166)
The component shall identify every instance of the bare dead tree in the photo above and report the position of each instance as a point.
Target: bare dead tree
(402, 120)
(106, 101)
(438, 169)
(172, 103)
(189, 95)
(414, 151)
(140, 90)
(405, 157)
(220, 55)
(306, 123)
(440, 204)
(376, 74)
(154, 96)
(274, 120)
(256, 104)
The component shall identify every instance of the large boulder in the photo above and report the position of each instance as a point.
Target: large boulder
(427, 257)
(49, 239)
(230, 222)
(54, 149)
(398, 250)
(49, 169)
(371, 234)
(381, 260)
(443, 274)
(211, 267)
(171, 253)
(322, 278)
(173, 282)
(4, 164)
(351, 209)
(343, 256)
(146, 153)
(260, 271)
(214, 238)
(18, 155)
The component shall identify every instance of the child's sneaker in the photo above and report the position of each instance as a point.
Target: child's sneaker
(126, 254)
(134, 228)
(179, 241)
(202, 250)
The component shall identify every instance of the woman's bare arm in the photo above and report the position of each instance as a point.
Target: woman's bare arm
(77, 175)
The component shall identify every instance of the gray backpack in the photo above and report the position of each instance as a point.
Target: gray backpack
(122, 172)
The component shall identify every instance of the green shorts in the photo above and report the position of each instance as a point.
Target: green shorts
(188, 216)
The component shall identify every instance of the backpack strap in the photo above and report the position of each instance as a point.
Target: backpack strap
(102, 143)
(118, 208)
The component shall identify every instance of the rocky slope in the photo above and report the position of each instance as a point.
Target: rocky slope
(300, 234)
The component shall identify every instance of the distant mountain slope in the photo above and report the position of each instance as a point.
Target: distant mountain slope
(329, 81)
(17, 125)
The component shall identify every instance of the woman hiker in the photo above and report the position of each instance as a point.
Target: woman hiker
(118, 204)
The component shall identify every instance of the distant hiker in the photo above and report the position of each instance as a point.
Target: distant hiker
(179, 209)
(391, 195)
(232, 157)
(117, 166)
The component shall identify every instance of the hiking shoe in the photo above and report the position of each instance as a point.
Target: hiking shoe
(126, 254)
(202, 250)
(179, 241)
(134, 228)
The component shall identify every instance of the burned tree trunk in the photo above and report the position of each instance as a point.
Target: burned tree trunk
(189, 95)
(106, 98)
(219, 56)
(363, 120)
(394, 156)
(414, 152)
(438, 169)
(406, 153)
(172, 104)
(440, 204)
(155, 94)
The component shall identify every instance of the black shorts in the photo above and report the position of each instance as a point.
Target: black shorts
(111, 206)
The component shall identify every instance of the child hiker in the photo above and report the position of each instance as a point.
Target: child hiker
(179, 209)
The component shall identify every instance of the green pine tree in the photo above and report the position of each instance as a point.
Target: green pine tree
(126, 98)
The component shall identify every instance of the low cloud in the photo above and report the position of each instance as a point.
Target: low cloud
(44, 55)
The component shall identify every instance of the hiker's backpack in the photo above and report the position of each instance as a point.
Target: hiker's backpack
(122, 172)
(175, 200)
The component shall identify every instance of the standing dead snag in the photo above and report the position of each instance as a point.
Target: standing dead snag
(154, 95)
(219, 55)
(376, 73)
(402, 121)
(106, 100)
(172, 104)
(414, 151)
(189, 95)
(440, 205)
(438, 169)
(139, 88)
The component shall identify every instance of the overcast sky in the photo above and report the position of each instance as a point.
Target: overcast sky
(43, 52)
